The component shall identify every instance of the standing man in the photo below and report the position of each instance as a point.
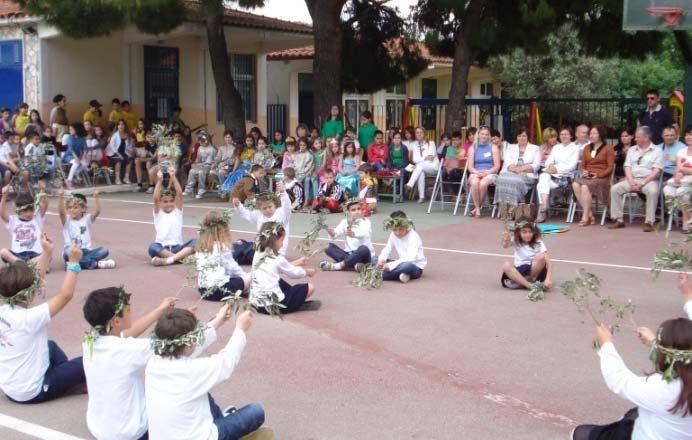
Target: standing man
(643, 165)
(671, 147)
(655, 116)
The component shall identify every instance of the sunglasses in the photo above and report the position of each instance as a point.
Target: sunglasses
(650, 98)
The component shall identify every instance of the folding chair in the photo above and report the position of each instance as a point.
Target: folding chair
(634, 198)
(574, 206)
(488, 202)
(439, 188)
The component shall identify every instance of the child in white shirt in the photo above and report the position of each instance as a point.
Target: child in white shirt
(408, 246)
(268, 266)
(531, 260)
(76, 229)
(25, 227)
(114, 361)
(663, 399)
(358, 249)
(268, 210)
(177, 384)
(169, 247)
(218, 274)
(32, 368)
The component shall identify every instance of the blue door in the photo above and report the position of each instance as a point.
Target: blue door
(11, 90)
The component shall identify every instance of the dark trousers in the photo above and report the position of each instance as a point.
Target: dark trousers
(408, 268)
(360, 255)
(61, 376)
(218, 293)
(237, 423)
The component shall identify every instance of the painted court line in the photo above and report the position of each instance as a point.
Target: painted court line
(34, 430)
(434, 249)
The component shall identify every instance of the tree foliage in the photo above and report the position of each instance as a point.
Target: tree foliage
(377, 30)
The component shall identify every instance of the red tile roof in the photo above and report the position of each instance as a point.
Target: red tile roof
(308, 52)
(9, 9)
(233, 17)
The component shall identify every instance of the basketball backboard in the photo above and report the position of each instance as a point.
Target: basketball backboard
(657, 15)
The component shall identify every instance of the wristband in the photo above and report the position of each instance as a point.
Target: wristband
(74, 268)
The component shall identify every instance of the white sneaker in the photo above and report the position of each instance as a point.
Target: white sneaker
(118, 181)
(404, 277)
(106, 264)
(127, 181)
(326, 266)
(187, 193)
(158, 261)
(150, 190)
(199, 196)
(201, 193)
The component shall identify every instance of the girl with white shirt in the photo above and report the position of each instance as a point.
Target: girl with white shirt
(678, 186)
(558, 170)
(531, 261)
(425, 161)
(178, 381)
(169, 247)
(268, 266)
(218, 274)
(663, 398)
(121, 151)
(408, 245)
(519, 172)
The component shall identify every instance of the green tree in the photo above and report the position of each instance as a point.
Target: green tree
(359, 46)
(474, 30)
(94, 18)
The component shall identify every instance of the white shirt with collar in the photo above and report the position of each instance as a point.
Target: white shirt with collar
(177, 390)
(362, 234)
(409, 249)
(282, 215)
(532, 156)
(564, 157)
(642, 161)
(421, 151)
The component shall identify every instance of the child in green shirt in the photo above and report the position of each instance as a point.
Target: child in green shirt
(366, 131)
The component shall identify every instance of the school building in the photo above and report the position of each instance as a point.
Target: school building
(271, 61)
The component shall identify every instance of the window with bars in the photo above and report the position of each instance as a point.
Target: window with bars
(244, 71)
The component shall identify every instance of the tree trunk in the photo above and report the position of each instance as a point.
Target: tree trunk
(231, 101)
(463, 59)
(326, 63)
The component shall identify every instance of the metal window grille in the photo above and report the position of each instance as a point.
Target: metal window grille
(161, 87)
(244, 71)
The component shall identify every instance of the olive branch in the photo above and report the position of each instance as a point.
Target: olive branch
(319, 223)
(585, 293)
(370, 277)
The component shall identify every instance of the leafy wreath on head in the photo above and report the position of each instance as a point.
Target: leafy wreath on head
(163, 347)
(267, 234)
(268, 196)
(33, 205)
(26, 295)
(223, 221)
(74, 200)
(92, 334)
(390, 223)
(671, 356)
(350, 202)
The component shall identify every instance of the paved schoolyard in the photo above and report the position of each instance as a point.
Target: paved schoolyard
(449, 356)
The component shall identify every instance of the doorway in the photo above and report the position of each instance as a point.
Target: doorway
(161, 89)
(306, 100)
(11, 75)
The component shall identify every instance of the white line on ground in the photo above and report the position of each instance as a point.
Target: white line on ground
(33, 430)
(435, 249)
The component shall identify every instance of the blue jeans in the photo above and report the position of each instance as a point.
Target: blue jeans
(90, 257)
(155, 248)
(238, 423)
(61, 376)
(310, 188)
(378, 166)
(360, 255)
(408, 268)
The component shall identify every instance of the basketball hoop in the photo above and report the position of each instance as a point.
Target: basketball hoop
(670, 15)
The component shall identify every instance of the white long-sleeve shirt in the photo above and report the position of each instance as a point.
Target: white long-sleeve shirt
(114, 145)
(266, 276)
(216, 268)
(282, 214)
(176, 391)
(409, 249)
(653, 396)
(564, 157)
(688, 309)
(421, 151)
(532, 156)
(362, 232)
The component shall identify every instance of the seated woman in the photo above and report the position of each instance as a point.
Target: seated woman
(549, 142)
(245, 157)
(597, 163)
(483, 163)
(426, 163)
(519, 173)
(679, 185)
(558, 170)
(621, 148)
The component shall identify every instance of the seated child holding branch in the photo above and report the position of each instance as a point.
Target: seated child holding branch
(531, 260)
(25, 227)
(358, 249)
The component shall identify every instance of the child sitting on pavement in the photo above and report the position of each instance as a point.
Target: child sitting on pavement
(408, 246)
(358, 249)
